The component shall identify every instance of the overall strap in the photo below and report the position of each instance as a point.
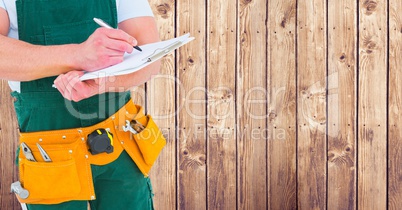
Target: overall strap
(39, 106)
(59, 22)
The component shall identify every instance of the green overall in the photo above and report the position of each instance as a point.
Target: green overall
(40, 107)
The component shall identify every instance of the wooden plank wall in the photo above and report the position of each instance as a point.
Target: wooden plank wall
(341, 117)
(278, 104)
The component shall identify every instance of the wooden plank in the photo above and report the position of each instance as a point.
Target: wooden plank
(372, 105)
(8, 141)
(342, 85)
(311, 104)
(251, 106)
(395, 106)
(221, 139)
(191, 99)
(282, 104)
(161, 105)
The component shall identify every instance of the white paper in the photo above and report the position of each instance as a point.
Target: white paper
(138, 60)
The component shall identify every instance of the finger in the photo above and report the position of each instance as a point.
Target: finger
(113, 60)
(114, 52)
(84, 89)
(119, 35)
(59, 82)
(66, 87)
(118, 46)
(72, 79)
(69, 80)
(60, 85)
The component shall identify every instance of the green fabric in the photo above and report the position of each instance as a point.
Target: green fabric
(118, 185)
(39, 107)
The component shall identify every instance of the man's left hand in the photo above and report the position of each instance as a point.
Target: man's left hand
(73, 89)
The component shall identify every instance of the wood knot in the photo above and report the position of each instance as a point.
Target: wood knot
(283, 23)
(343, 57)
(202, 159)
(370, 6)
(370, 135)
(331, 156)
(370, 45)
(190, 60)
(272, 116)
(163, 10)
(245, 2)
(289, 13)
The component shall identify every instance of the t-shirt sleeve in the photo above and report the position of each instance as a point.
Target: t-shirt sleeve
(133, 8)
(2, 5)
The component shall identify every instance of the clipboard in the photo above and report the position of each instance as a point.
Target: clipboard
(138, 60)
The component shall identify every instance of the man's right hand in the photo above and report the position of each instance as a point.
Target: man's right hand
(105, 47)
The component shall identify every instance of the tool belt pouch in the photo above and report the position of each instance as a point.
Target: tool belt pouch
(51, 182)
(145, 146)
(150, 142)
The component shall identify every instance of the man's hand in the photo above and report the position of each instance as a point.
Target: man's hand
(145, 31)
(73, 89)
(105, 47)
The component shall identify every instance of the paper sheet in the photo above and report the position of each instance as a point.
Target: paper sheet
(138, 60)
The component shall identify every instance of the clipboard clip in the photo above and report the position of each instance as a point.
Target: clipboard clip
(160, 52)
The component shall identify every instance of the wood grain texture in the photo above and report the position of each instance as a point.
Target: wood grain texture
(395, 106)
(191, 96)
(8, 141)
(282, 104)
(372, 105)
(311, 85)
(342, 106)
(161, 105)
(221, 70)
(323, 136)
(251, 101)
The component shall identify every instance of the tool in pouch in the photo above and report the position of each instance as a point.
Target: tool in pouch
(99, 141)
(29, 156)
(45, 156)
(17, 188)
(133, 126)
(27, 152)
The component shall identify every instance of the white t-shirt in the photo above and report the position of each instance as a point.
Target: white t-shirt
(126, 9)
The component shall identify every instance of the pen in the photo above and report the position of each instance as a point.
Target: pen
(103, 24)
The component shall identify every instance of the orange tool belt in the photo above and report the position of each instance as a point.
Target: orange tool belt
(69, 176)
